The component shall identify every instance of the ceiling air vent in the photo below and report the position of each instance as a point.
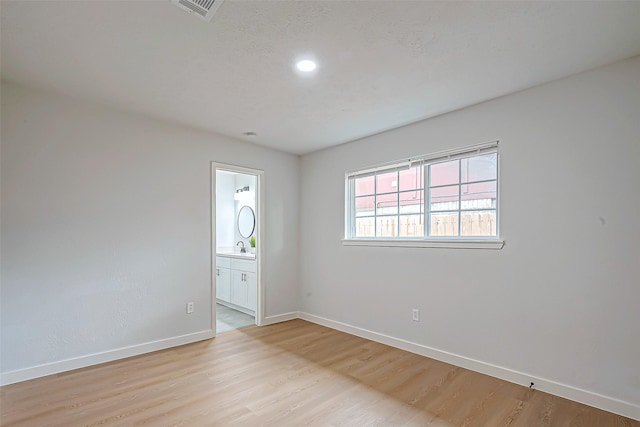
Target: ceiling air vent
(202, 8)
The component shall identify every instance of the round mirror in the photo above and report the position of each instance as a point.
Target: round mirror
(246, 221)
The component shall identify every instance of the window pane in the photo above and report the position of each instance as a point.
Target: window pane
(411, 226)
(386, 226)
(482, 223)
(478, 196)
(365, 227)
(444, 173)
(411, 179)
(479, 168)
(412, 202)
(364, 185)
(444, 224)
(444, 198)
(387, 182)
(387, 204)
(364, 206)
(448, 199)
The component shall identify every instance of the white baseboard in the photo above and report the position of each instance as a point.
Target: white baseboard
(279, 318)
(606, 403)
(97, 358)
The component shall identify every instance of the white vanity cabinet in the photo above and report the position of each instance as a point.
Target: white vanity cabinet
(223, 278)
(243, 284)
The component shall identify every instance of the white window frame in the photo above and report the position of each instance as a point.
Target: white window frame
(449, 242)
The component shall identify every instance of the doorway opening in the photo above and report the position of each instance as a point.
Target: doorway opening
(236, 247)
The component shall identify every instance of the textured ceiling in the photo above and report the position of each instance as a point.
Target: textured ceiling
(382, 64)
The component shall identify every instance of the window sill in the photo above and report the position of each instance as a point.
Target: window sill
(445, 244)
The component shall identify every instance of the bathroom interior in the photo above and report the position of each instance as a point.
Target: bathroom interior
(236, 250)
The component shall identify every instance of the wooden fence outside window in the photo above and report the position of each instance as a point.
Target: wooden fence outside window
(472, 223)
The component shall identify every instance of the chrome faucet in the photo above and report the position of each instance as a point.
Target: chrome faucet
(242, 249)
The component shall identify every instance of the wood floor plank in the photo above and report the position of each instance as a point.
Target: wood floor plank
(290, 374)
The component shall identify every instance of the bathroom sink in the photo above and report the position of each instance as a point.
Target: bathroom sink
(236, 254)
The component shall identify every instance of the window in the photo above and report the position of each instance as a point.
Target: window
(450, 196)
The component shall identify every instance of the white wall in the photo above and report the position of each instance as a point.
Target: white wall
(225, 209)
(244, 180)
(106, 229)
(560, 301)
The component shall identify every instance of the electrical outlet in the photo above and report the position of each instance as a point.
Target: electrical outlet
(415, 315)
(190, 307)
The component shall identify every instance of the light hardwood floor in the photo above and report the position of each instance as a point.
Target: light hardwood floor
(290, 374)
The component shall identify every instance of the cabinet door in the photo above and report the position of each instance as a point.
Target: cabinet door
(223, 284)
(238, 288)
(252, 290)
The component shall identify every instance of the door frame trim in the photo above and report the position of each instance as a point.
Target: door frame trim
(260, 247)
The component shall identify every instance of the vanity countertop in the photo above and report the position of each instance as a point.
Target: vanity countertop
(234, 254)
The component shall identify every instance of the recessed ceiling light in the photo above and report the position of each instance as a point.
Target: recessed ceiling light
(306, 65)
